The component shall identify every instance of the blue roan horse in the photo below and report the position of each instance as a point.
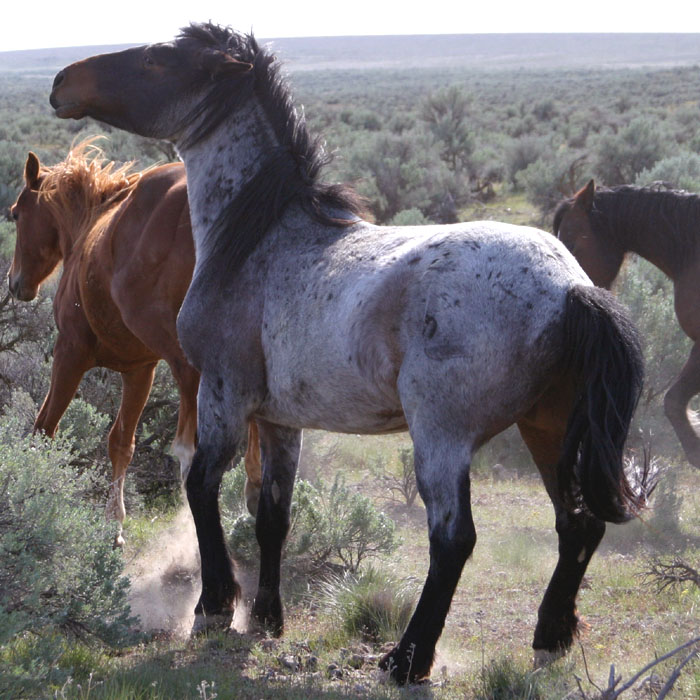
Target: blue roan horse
(302, 315)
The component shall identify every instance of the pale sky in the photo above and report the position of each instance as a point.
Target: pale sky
(31, 24)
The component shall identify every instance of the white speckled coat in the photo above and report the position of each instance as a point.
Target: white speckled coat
(454, 332)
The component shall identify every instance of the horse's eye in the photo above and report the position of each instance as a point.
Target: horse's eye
(148, 60)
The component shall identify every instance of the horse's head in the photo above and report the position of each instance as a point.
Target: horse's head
(37, 250)
(598, 254)
(153, 90)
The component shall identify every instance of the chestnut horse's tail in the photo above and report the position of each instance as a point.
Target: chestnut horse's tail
(604, 354)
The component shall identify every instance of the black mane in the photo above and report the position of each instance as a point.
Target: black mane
(289, 173)
(627, 214)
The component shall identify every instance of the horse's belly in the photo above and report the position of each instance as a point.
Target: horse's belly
(371, 422)
(340, 401)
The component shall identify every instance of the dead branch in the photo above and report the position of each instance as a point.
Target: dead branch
(664, 575)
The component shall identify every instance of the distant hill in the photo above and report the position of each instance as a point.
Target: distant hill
(488, 51)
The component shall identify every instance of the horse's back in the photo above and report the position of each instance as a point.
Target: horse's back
(436, 308)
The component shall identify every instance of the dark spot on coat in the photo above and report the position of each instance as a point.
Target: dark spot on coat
(429, 327)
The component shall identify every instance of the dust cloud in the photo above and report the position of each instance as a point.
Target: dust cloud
(165, 580)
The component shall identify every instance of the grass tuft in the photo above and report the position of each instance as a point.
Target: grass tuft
(504, 679)
(372, 605)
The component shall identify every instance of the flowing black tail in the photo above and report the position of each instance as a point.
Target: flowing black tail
(605, 356)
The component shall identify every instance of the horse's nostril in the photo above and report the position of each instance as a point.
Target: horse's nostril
(58, 79)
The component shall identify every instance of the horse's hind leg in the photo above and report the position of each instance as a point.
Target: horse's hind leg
(676, 402)
(543, 430)
(136, 386)
(253, 469)
(280, 454)
(187, 379)
(442, 466)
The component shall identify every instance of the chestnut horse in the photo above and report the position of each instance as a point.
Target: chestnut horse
(601, 225)
(303, 315)
(126, 245)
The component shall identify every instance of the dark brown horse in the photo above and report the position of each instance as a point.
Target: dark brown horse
(126, 244)
(600, 226)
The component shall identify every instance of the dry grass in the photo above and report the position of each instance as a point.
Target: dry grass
(488, 630)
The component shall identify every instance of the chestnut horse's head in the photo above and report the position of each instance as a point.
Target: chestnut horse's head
(599, 255)
(155, 90)
(37, 250)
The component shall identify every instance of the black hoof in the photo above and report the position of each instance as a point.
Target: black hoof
(212, 622)
(268, 616)
(403, 667)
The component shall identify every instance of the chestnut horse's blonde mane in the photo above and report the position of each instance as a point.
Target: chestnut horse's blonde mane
(84, 188)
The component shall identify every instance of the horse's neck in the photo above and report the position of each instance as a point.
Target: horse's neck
(67, 245)
(219, 165)
(649, 240)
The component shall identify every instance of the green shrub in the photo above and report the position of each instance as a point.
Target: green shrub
(57, 566)
(621, 156)
(446, 113)
(397, 476)
(86, 428)
(550, 177)
(372, 605)
(681, 171)
(523, 151)
(401, 172)
(409, 217)
(327, 525)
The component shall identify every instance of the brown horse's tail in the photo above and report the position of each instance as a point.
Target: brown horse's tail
(604, 353)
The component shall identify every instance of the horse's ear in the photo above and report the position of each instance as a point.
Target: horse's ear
(218, 63)
(31, 171)
(584, 197)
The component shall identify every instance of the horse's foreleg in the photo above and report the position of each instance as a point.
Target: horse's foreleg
(676, 402)
(221, 427)
(136, 386)
(579, 534)
(442, 472)
(69, 366)
(280, 454)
